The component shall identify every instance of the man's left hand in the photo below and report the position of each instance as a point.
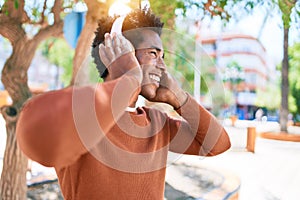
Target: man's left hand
(169, 92)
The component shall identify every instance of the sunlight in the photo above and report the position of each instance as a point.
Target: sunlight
(119, 8)
(145, 3)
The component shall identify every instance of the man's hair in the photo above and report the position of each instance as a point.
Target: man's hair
(139, 18)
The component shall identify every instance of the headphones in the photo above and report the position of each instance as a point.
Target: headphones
(117, 25)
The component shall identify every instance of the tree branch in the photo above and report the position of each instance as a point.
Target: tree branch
(55, 30)
(10, 29)
(56, 9)
(42, 21)
(15, 10)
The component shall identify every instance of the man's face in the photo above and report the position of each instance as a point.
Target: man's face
(150, 55)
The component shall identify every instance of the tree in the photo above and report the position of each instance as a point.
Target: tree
(13, 19)
(286, 7)
(14, 16)
(290, 11)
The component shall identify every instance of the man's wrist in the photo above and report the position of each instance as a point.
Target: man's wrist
(182, 99)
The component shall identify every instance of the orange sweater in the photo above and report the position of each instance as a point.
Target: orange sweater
(107, 172)
(128, 159)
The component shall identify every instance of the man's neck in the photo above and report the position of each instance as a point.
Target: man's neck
(138, 103)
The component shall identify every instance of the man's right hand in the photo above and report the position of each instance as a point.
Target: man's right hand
(118, 55)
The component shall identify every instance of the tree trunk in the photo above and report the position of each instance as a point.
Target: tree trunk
(284, 109)
(14, 77)
(96, 10)
(13, 178)
(81, 59)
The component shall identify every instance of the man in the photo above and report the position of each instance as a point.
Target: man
(101, 146)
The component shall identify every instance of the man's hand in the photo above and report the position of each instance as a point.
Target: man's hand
(169, 92)
(117, 54)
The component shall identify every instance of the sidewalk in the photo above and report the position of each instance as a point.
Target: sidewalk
(272, 172)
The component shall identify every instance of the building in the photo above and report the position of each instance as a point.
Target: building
(256, 68)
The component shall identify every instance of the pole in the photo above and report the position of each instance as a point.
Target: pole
(197, 67)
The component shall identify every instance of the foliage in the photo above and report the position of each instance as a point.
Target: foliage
(294, 73)
(294, 60)
(295, 93)
(223, 9)
(286, 7)
(234, 73)
(58, 52)
(268, 98)
(94, 74)
(166, 10)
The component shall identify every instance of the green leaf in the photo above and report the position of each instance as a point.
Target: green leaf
(16, 4)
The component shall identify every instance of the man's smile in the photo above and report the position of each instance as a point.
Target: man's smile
(154, 77)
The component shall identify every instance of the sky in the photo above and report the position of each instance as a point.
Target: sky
(271, 35)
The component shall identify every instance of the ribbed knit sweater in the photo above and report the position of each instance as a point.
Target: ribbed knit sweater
(105, 173)
(128, 159)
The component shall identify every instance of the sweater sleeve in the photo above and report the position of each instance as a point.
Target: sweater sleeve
(57, 127)
(198, 132)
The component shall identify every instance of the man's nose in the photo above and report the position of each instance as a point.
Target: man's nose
(161, 64)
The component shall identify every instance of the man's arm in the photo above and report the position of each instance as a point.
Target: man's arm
(199, 133)
(57, 127)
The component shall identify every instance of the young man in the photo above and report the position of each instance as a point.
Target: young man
(101, 146)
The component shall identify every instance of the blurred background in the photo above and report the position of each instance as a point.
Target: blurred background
(240, 59)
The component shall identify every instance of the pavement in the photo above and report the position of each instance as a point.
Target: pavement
(270, 173)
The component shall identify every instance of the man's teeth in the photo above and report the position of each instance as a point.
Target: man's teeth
(154, 77)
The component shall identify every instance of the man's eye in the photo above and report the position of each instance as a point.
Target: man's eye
(153, 53)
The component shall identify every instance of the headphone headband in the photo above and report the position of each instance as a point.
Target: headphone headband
(117, 25)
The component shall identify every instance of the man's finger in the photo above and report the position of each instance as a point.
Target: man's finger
(103, 55)
(110, 54)
(107, 40)
(126, 46)
(117, 45)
